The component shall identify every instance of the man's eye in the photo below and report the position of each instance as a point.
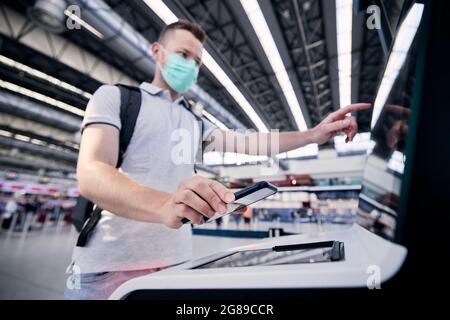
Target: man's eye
(184, 55)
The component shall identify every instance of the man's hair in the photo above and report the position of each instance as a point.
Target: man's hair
(192, 27)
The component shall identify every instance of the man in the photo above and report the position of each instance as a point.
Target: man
(144, 202)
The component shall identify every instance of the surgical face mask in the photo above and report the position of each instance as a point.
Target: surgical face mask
(179, 73)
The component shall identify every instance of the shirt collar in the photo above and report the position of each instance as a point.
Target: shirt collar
(150, 88)
(156, 91)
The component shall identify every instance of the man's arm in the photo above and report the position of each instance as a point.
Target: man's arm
(100, 182)
(258, 143)
(103, 184)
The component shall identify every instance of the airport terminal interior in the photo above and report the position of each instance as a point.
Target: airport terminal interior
(337, 214)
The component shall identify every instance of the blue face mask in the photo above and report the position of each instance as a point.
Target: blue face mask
(179, 73)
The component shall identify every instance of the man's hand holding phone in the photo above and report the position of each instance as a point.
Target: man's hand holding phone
(195, 199)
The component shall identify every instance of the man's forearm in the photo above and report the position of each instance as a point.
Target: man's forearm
(258, 143)
(294, 139)
(115, 192)
(271, 144)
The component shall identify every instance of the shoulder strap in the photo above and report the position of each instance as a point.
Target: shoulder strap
(130, 105)
(199, 153)
(89, 226)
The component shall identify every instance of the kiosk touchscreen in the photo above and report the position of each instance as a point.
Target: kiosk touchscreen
(379, 201)
(314, 252)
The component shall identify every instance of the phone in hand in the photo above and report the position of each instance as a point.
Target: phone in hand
(243, 198)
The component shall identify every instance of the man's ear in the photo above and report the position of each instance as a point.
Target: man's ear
(155, 50)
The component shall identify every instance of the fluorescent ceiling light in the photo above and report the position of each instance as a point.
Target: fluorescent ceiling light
(5, 133)
(344, 17)
(214, 120)
(72, 145)
(211, 158)
(210, 117)
(309, 150)
(230, 158)
(35, 95)
(38, 142)
(397, 57)
(84, 24)
(220, 75)
(163, 11)
(159, 8)
(34, 140)
(22, 137)
(239, 158)
(38, 74)
(361, 142)
(265, 37)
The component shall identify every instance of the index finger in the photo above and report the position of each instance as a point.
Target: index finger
(350, 108)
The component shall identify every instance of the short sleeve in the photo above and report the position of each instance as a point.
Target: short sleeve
(208, 128)
(103, 107)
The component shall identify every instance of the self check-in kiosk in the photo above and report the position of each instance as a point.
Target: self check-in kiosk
(332, 259)
(340, 259)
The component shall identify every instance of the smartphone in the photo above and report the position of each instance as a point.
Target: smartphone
(243, 198)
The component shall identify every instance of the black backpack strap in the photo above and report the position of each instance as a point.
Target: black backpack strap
(89, 226)
(130, 105)
(82, 212)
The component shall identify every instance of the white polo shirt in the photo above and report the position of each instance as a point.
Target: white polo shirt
(156, 157)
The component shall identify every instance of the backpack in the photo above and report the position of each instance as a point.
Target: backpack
(85, 217)
(130, 105)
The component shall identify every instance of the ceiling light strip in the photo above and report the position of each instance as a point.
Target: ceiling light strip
(160, 9)
(84, 24)
(344, 20)
(38, 96)
(259, 23)
(214, 120)
(38, 74)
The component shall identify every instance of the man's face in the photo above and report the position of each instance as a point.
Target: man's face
(180, 42)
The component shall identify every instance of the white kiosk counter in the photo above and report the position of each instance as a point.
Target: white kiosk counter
(368, 260)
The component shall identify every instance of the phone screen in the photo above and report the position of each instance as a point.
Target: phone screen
(244, 201)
